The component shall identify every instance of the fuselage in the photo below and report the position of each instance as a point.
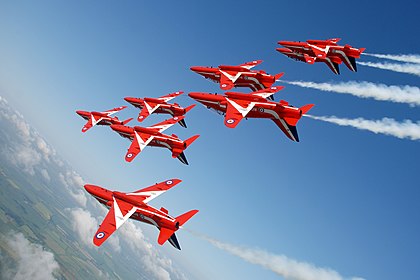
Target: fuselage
(170, 142)
(242, 77)
(144, 212)
(322, 46)
(105, 120)
(266, 109)
(164, 108)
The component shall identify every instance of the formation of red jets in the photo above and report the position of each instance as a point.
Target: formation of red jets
(235, 106)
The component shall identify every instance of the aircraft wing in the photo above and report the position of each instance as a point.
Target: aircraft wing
(289, 130)
(236, 110)
(119, 212)
(251, 64)
(170, 96)
(267, 92)
(113, 111)
(93, 120)
(147, 194)
(319, 52)
(140, 141)
(167, 123)
(227, 80)
(148, 109)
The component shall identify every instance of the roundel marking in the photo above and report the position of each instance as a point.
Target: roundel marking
(261, 110)
(129, 155)
(142, 216)
(169, 182)
(175, 118)
(100, 235)
(230, 121)
(224, 85)
(141, 117)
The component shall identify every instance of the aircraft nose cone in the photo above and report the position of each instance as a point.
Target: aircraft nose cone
(79, 112)
(129, 99)
(89, 188)
(194, 95)
(196, 68)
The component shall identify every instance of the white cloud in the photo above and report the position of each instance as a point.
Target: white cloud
(85, 225)
(388, 126)
(400, 94)
(33, 262)
(282, 265)
(45, 174)
(408, 68)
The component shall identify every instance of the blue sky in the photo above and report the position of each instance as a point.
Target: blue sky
(341, 198)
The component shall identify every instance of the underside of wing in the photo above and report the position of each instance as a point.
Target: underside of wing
(289, 130)
(226, 82)
(170, 96)
(167, 123)
(147, 194)
(236, 110)
(93, 120)
(140, 141)
(251, 64)
(114, 110)
(119, 212)
(267, 92)
(145, 112)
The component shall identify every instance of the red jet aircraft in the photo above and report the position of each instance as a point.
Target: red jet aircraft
(134, 205)
(159, 105)
(236, 106)
(101, 118)
(153, 136)
(238, 76)
(326, 51)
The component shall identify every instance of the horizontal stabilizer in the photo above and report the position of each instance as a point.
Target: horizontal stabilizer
(164, 235)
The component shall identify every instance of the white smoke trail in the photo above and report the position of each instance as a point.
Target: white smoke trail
(409, 58)
(408, 68)
(399, 94)
(288, 268)
(388, 126)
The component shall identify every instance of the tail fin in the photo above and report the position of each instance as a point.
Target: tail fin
(278, 76)
(306, 108)
(182, 219)
(189, 108)
(190, 140)
(353, 63)
(169, 234)
(303, 110)
(127, 121)
(182, 123)
(182, 158)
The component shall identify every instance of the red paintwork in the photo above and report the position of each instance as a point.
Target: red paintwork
(101, 118)
(145, 213)
(158, 139)
(159, 105)
(253, 79)
(327, 51)
(284, 115)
